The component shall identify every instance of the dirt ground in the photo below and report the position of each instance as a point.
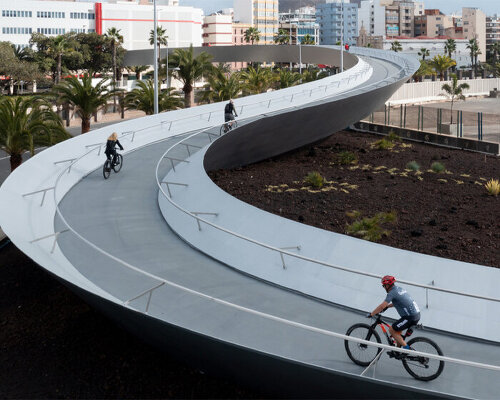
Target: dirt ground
(447, 214)
(54, 346)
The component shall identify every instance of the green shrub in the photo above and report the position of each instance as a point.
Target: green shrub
(315, 179)
(437, 167)
(347, 157)
(370, 228)
(413, 165)
(393, 137)
(384, 144)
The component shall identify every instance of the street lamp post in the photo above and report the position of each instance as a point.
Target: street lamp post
(342, 36)
(166, 41)
(155, 64)
(300, 51)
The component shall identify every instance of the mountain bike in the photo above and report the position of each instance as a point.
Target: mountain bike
(227, 126)
(419, 367)
(115, 163)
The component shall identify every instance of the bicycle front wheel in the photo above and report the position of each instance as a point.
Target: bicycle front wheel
(106, 169)
(362, 354)
(119, 162)
(423, 368)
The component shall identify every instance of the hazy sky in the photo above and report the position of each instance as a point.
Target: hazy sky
(490, 7)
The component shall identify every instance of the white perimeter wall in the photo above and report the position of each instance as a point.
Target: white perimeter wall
(428, 91)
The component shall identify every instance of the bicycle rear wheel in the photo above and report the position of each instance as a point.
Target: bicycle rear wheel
(423, 368)
(118, 166)
(106, 169)
(362, 354)
(223, 129)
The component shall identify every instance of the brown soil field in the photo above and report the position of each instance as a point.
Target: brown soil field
(447, 214)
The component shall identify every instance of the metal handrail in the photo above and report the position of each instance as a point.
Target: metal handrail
(298, 256)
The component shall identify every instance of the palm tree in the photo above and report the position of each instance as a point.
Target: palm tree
(450, 47)
(313, 74)
(58, 47)
(473, 47)
(142, 98)
(221, 86)
(282, 37)
(161, 39)
(288, 78)
(189, 69)
(252, 35)
(257, 80)
(21, 53)
(495, 51)
(83, 97)
(496, 69)
(26, 123)
(423, 53)
(441, 64)
(307, 39)
(396, 46)
(424, 70)
(137, 70)
(115, 39)
(455, 91)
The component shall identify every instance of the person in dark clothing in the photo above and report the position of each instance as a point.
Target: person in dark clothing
(229, 110)
(110, 148)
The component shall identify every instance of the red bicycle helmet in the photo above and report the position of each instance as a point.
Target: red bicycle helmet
(388, 280)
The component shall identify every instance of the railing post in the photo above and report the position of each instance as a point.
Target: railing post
(404, 125)
(427, 295)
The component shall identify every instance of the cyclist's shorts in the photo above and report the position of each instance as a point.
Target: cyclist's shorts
(228, 117)
(405, 322)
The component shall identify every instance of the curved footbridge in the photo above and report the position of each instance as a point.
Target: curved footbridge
(232, 288)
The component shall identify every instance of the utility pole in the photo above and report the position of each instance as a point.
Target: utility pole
(155, 65)
(342, 36)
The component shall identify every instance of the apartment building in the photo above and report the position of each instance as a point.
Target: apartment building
(217, 30)
(331, 16)
(492, 31)
(300, 23)
(399, 18)
(20, 19)
(371, 16)
(261, 14)
(432, 24)
(474, 26)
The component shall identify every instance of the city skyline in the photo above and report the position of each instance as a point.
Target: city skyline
(489, 7)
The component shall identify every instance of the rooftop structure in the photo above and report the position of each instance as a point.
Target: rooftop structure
(300, 22)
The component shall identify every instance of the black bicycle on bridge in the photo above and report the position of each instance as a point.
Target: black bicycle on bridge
(115, 163)
(419, 367)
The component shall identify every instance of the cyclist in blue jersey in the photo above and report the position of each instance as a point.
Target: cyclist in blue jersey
(406, 307)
